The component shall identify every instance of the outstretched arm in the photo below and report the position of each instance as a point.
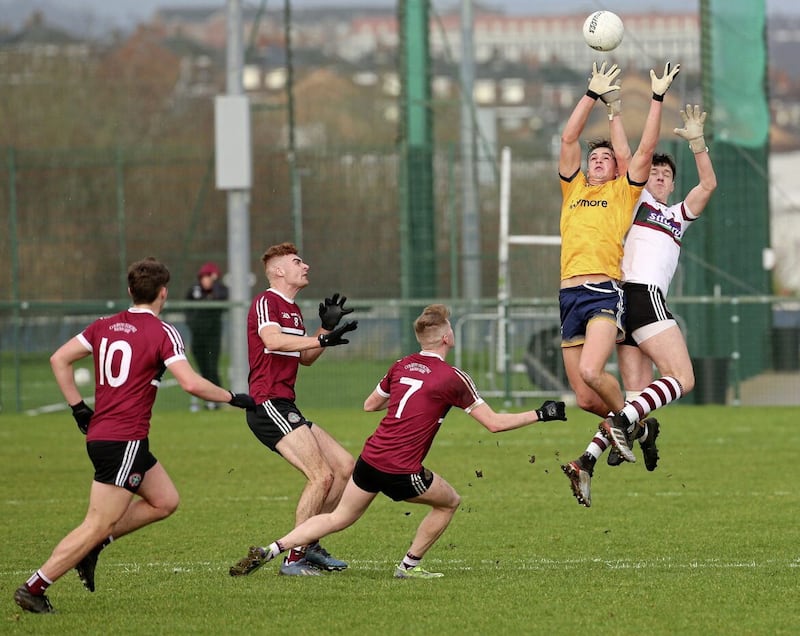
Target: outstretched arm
(497, 422)
(639, 168)
(641, 162)
(569, 160)
(600, 85)
(194, 383)
(619, 142)
(694, 122)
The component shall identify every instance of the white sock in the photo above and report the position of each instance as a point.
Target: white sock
(273, 550)
(410, 561)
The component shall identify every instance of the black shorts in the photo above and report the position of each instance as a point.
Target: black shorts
(122, 464)
(274, 419)
(645, 306)
(397, 487)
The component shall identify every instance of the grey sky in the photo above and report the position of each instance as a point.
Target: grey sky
(124, 12)
(96, 18)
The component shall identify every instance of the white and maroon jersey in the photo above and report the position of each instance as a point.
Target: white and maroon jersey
(131, 349)
(653, 243)
(421, 389)
(273, 373)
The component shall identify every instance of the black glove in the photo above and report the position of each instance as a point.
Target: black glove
(332, 310)
(242, 401)
(335, 337)
(551, 410)
(83, 415)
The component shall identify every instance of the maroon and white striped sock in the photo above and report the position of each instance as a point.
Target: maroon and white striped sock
(655, 395)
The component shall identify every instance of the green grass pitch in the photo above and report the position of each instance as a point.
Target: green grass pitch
(706, 544)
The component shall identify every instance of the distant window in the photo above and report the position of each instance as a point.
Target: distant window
(275, 80)
(512, 91)
(251, 78)
(484, 91)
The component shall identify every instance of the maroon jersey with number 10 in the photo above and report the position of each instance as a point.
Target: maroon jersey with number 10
(421, 389)
(131, 349)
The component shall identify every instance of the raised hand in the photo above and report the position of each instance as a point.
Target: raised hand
(692, 131)
(660, 85)
(331, 311)
(334, 338)
(601, 83)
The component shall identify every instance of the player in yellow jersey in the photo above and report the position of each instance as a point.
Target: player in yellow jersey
(596, 212)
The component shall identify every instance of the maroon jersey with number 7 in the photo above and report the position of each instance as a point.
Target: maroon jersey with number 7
(421, 389)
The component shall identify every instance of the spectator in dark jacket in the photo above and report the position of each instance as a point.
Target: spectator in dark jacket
(206, 325)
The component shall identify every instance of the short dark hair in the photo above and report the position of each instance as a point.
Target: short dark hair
(594, 144)
(145, 279)
(663, 159)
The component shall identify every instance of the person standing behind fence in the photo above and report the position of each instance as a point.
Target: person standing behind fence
(131, 351)
(278, 344)
(417, 392)
(205, 325)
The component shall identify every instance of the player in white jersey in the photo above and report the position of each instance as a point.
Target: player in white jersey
(595, 215)
(652, 249)
(658, 228)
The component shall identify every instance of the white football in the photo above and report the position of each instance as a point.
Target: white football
(82, 376)
(603, 30)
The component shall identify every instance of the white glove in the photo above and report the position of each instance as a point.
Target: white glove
(660, 85)
(692, 131)
(601, 82)
(613, 103)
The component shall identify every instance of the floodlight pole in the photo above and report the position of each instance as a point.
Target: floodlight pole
(234, 174)
(470, 222)
(291, 151)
